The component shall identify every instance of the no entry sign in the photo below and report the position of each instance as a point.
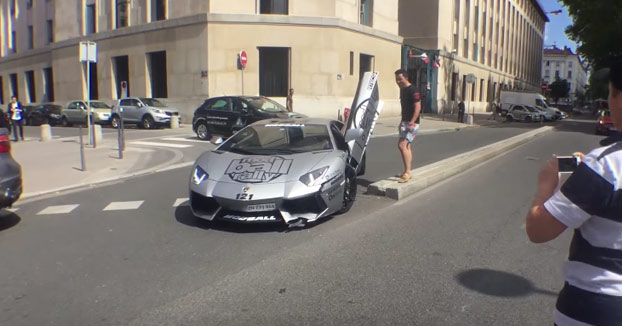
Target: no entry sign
(243, 59)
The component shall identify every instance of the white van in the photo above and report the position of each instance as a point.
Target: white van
(528, 98)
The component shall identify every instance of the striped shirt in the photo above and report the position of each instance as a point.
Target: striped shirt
(591, 203)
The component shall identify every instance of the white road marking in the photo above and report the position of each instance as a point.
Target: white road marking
(13, 210)
(146, 143)
(195, 140)
(60, 209)
(123, 205)
(180, 201)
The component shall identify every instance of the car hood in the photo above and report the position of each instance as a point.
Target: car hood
(230, 167)
(285, 115)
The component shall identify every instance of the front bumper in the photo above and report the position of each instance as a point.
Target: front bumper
(165, 118)
(277, 210)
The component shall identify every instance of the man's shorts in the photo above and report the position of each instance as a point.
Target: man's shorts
(407, 134)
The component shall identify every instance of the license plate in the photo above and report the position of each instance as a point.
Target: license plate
(261, 207)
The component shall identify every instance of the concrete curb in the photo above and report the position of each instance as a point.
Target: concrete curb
(433, 173)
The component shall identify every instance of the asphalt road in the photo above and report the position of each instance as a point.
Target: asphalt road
(455, 254)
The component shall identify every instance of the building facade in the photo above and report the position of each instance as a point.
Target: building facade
(565, 64)
(498, 42)
(184, 51)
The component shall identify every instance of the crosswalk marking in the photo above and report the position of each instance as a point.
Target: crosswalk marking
(13, 209)
(123, 205)
(146, 143)
(186, 140)
(180, 201)
(60, 209)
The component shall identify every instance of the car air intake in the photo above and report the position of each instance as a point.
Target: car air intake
(309, 204)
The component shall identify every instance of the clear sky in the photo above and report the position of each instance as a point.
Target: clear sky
(554, 30)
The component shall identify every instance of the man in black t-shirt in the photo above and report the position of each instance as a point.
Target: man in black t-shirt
(410, 101)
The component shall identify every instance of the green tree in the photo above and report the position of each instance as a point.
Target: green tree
(559, 89)
(597, 29)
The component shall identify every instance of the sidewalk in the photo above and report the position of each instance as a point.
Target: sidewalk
(54, 166)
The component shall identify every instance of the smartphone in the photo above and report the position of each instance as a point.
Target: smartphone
(567, 164)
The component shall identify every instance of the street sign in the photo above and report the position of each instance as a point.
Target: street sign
(123, 89)
(544, 86)
(88, 52)
(243, 59)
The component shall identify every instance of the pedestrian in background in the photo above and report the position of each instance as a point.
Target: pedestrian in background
(16, 115)
(461, 110)
(590, 202)
(410, 101)
(495, 111)
(289, 102)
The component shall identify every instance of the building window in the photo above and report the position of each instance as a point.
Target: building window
(570, 75)
(481, 90)
(274, 7)
(351, 63)
(556, 74)
(28, 4)
(156, 65)
(122, 13)
(48, 80)
(121, 72)
(158, 10)
(367, 12)
(366, 63)
(13, 41)
(31, 41)
(50, 30)
(569, 63)
(91, 19)
(13, 84)
(13, 7)
(274, 71)
(548, 63)
(30, 84)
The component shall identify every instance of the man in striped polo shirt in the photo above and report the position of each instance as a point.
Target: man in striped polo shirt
(591, 203)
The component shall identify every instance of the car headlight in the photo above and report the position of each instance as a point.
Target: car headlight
(158, 111)
(199, 175)
(311, 178)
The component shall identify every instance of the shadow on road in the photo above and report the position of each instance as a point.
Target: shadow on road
(184, 215)
(8, 220)
(498, 283)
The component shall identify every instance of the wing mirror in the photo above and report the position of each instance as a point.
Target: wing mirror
(217, 141)
(140, 105)
(353, 134)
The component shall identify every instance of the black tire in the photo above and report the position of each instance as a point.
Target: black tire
(115, 122)
(147, 122)
(203, 132)
(527, 119)
(64, 122)
(509, 118)
(349, 191)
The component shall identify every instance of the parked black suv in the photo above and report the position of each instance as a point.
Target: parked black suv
(228, 114)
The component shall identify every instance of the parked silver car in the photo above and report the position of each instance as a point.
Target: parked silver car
(144, 112)
(521, 113)
(75, 112)
(546, 115)
(10, 173)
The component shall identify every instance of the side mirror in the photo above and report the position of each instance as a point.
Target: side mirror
(353, 134)
(217, 141)
(245, 111)
(140, 105)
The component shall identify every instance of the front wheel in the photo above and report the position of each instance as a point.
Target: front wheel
(509, 118)
(527, 119)
(147, 122)
(203, 131)
(349, 191)
(64, 122)
(115, 122)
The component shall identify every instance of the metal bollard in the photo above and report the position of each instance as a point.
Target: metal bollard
(120, 139)
(174, 122)
(98, 134)
(46, 132)
(82, 161)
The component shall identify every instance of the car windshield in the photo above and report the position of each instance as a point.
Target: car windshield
(55, 109)
(99, 105)
(279, 139)
(267, 105)
(152, 102)
(531, 109)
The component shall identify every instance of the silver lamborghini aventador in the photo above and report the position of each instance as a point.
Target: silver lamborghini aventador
(289, 171)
